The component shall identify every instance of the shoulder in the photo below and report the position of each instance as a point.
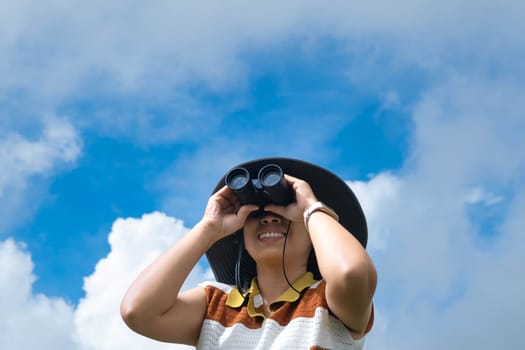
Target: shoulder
(217, 293)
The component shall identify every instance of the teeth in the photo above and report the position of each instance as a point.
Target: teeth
(271, 235)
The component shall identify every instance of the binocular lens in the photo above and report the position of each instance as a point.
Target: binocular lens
(270, 186)
(270, 175)
(238, 178)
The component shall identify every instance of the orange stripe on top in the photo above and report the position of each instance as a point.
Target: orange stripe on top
(227, 316)
(284, 310)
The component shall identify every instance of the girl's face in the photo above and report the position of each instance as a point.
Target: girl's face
(264, 237)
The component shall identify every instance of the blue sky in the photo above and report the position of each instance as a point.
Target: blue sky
(118, 178)
(116, 121)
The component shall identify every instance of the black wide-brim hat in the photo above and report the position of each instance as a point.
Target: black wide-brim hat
(327, 187)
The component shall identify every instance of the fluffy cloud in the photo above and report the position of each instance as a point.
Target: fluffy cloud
(446, 273)
(134, 244)
(159, 51)
(133, 42)
(444, 229)
(437, 278)
(29, 321)
(95, 324)
(23, 158)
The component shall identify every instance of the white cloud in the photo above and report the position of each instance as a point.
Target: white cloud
(437, 284)
(157, 52)
(480, 195)
(437, 281)
(25, 157)
(95, 324)
(134, 243)
(470, 130)
(22, 159)
(377, 197)
(29, 321)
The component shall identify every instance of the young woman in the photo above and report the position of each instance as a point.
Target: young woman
(288, 276)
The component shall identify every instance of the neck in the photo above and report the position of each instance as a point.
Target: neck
(272, 281)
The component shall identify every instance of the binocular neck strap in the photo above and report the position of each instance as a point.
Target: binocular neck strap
(238, 281)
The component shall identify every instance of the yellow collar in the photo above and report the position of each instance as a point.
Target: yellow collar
(236, 299)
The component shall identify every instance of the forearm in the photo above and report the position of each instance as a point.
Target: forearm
(340, 256)
(347, 269)
(156, 288)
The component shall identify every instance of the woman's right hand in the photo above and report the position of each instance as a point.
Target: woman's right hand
(224, 214)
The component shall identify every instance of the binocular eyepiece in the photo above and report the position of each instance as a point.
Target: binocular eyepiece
(270, 186)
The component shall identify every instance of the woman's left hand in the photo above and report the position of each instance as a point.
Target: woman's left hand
(304, 198)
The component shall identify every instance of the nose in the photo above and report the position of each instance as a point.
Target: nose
(271, 218)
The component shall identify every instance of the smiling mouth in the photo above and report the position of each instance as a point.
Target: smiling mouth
(271, 235)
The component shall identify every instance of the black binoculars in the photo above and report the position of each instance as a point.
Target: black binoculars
(270, 186)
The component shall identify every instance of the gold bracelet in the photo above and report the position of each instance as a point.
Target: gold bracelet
(318, 206)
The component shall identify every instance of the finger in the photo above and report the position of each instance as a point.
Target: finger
(291, 178)
(226, 193)
(227, 197)
(295, 182)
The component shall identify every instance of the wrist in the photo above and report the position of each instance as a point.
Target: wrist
(318, 207)
(208, 231)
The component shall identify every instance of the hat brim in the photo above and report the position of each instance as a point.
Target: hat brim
(327, 187)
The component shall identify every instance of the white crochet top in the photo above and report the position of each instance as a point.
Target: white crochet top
(297, 321)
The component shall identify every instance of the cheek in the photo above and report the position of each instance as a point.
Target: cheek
(248, 238)
(249, 225)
